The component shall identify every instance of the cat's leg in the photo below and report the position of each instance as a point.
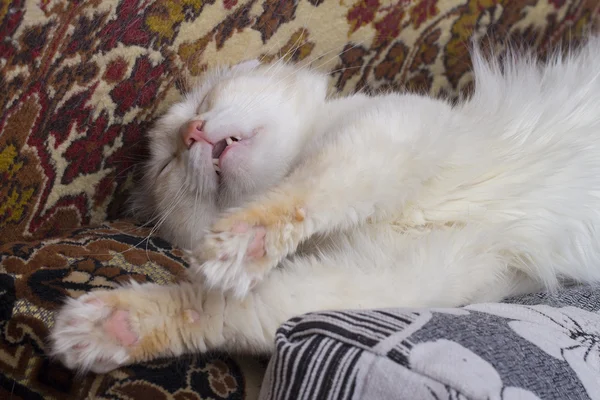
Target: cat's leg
(355, 180)
(106, 329)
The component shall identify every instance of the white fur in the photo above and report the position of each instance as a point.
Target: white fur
(186, 197)
(515, 170)
(410, 201)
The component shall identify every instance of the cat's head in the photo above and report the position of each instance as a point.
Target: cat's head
(236, 134)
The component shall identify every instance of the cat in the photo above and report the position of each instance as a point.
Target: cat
(290, 201)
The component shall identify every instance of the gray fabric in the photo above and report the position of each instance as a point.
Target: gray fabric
(538, 346)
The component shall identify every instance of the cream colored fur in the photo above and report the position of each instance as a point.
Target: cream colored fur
(394, 200)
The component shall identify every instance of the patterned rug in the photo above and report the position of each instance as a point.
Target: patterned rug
(38, 275)
(82, 80)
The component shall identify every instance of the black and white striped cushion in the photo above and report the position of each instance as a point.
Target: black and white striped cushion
(477, 352)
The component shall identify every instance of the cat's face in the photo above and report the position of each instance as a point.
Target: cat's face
(234, 136)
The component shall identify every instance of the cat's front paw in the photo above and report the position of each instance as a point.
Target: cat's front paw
(107, 329)
(241, 248)
(90, 335)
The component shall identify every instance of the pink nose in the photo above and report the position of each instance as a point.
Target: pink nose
(192, 132)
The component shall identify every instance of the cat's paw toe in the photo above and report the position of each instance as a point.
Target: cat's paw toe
(235, 258)
(89, 335)
(254, 243)
(244, 245)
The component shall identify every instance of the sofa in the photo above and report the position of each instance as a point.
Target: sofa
(81, 83)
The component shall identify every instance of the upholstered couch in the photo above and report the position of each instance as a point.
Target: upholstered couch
(81, 82)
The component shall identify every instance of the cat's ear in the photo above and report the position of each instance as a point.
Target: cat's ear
(245, 66)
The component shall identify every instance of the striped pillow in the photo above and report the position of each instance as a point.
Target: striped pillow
(534, 347)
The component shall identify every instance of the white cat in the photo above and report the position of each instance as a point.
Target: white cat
(395, 200)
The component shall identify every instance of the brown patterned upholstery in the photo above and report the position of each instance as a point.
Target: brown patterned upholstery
(82, 80)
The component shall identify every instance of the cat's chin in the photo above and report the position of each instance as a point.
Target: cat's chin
(226, 152)
(234, 158)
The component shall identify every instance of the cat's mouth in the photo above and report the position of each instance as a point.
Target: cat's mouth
(219, 148)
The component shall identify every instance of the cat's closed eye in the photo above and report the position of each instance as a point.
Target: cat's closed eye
(164, 167)
(202, 106)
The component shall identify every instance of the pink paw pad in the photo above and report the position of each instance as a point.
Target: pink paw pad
(118, 326)
(256, 248)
